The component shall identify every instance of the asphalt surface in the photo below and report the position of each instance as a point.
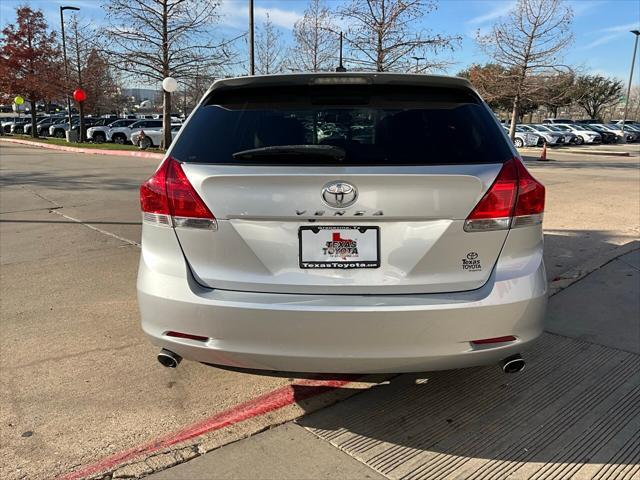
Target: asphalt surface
(79, 382)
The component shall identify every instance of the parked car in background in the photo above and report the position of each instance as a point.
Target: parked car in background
(557, 120)
(569, 137)
(623, 137)
(549, 137)
(123, 134)
(626, 122)
(525, 139)
(42, 123)
(59, 130)
(607, 136)
(583, 134)
(587, 120)
(17, 127)
(633, 129)
(152, 137)
(5, 123)
(98, 133)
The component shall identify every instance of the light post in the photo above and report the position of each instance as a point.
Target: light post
(633, 62)
(80, 103)
(340, 67)
(417, 59)
(252, 63)
(169, 85)
(64, 55)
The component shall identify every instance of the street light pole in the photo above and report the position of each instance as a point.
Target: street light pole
(252, 63)
(417, 59)
(340, 67)
(66, 67)
(633, 63)
(81, 104)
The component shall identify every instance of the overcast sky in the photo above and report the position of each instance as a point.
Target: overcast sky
(602, 43)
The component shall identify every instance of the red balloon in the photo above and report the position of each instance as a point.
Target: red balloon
(79, 95)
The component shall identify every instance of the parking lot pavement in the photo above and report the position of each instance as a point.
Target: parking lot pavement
(574, 413)
(80, 388)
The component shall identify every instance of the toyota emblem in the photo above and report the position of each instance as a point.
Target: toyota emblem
(339, 194)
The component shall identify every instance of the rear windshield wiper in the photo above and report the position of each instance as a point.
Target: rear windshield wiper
(302, 151)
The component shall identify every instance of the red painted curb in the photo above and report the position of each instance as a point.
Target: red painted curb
(266, 403)
(95, 151)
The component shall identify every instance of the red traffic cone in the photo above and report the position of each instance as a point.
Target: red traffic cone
(543, 155)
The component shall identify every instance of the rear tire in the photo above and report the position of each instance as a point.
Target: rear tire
(119, 138)
(579, 140)
(145, 143)
(99, 137)
(518, 142)
(59, 133)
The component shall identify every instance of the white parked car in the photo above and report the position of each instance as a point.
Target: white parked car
(569, 137)
(152, 138)
(550, 137)
(98, 134)
(583, 134)
(123, 134)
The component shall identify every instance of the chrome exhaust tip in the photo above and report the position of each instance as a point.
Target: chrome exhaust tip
(513, 364)
(169, 359)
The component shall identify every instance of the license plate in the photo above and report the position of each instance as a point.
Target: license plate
(325, 246)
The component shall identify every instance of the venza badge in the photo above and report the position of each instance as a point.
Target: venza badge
(339, 194)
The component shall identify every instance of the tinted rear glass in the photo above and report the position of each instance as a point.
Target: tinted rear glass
(374, 125)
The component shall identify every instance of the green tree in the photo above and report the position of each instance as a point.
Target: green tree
(594, 93)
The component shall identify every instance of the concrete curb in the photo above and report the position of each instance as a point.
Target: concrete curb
(583, 152)
(94, 151)
(597, 152)
(576, 274)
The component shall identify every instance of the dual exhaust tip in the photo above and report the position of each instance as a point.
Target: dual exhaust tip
(169, 359)
(513, 364)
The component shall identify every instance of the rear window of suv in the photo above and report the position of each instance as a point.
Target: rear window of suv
(367, 125)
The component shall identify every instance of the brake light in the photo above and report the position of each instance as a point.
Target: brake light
(168, 198)
(515, 199)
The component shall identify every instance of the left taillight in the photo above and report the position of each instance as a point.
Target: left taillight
(167, 198)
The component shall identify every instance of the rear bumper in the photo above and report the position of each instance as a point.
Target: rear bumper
(342, 333)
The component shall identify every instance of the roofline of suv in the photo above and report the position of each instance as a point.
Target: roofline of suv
(375, 78)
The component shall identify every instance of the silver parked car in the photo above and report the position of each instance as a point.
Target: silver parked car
(525, 139)
(550, 137)
(274, 238)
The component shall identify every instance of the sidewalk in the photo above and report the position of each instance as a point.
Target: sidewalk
(574, 413)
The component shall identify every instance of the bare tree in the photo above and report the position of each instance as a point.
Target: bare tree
(316, 40)
(529, 42)
(269, 48)
(383, 35)
(155, 39)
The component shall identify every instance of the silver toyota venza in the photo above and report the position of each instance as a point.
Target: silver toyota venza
(342, 222)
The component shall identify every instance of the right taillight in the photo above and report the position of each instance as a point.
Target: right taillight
(515, 199)
(167, 198)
